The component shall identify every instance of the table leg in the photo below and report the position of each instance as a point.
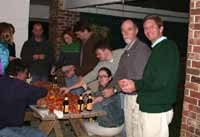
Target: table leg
(47, 126)
(58, 130)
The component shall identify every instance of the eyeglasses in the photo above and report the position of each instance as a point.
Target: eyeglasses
(102, 76)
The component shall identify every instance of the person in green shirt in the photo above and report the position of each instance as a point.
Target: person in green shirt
(69, 51)
(158, 87)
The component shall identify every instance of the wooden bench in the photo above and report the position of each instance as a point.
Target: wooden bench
(78, 127)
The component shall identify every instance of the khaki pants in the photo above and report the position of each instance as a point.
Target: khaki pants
(155, 124)
(131, 113)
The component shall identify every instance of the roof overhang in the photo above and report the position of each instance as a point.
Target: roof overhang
(70, 4)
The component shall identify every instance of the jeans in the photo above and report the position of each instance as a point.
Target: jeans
(21, 132)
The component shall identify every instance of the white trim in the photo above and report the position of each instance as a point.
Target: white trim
(69, 4)
(135, 12)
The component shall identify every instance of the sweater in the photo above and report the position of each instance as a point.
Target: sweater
(111, 65)
(157, 90)
(31, 47)
(15, 96)
(69, 55)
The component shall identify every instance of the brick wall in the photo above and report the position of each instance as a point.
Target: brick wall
(59, 19)
(191, 108)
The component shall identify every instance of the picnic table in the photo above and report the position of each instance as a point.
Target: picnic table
(50, 121)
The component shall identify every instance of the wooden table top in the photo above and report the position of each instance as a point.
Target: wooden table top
(52, 116)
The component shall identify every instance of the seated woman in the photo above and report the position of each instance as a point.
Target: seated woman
(112, 123)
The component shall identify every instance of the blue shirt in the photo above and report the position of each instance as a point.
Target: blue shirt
(71, 81)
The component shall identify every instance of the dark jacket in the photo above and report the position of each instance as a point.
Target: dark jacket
(112, 106)
(15, 96)
(31, 47)
(157, 90)
(88, 58)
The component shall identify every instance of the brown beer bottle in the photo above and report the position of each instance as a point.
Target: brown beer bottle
(66, 105)
(89, 103)
(80, 104)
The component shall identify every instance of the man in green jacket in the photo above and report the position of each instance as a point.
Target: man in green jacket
(157, 89)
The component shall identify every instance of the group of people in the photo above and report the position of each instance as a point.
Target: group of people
(136, 85)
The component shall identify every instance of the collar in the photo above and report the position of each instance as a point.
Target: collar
(128, 46)
(158, 41)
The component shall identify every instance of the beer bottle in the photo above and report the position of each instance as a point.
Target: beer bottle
(89, 103)
(66, 105)
(80, 104)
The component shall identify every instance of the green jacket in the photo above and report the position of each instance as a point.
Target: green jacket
(157, 90)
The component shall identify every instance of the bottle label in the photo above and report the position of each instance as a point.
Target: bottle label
(89, 106)
(66, 109)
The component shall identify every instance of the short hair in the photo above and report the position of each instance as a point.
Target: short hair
(135, 24)
(37, 24)
(156, 18)
(15, 66)
(69, 31)
(109, 73)
(81, 26)
(102, 44)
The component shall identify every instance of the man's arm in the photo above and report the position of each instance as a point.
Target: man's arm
(35, 93)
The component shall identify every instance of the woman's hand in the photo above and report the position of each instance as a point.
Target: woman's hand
(64, 90)
(98, 100)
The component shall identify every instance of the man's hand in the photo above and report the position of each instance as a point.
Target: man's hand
(108, 92)
(127, 86)
(64, 90)
(35, 57)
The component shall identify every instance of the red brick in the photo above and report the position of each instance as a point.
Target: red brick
(196, 64)
(195, 79)
(191, 86)
(196, 49)
(193, 71)
(197, 4)
(194, 41)
(195, 94)
(193, 108)
(197, 19)
(190, 100)
(194, 11)
(195, 26)
(194, 56)
(196, 34)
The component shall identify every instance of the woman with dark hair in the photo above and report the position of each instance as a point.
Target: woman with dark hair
(112, 123)
(69, 51)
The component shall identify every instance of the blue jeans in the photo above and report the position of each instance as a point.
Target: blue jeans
(21, 132)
